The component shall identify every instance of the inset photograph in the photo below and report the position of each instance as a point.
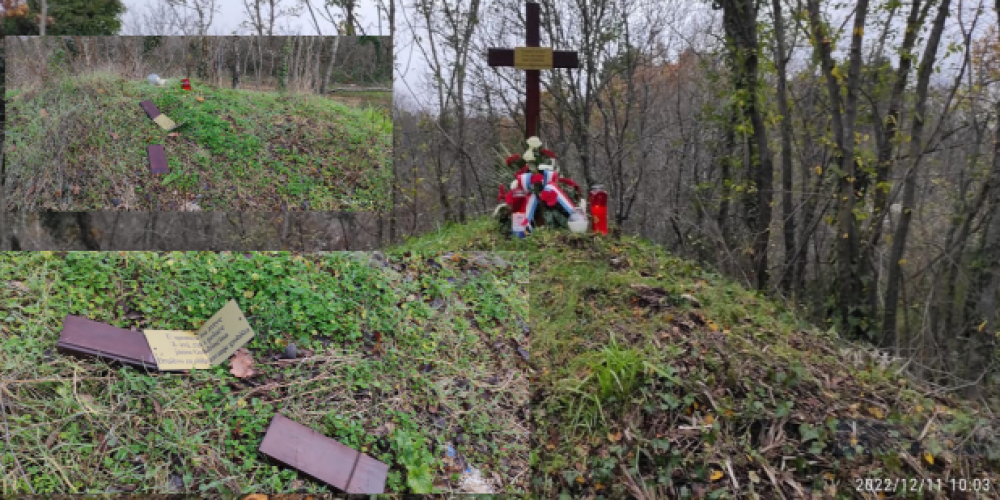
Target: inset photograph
(277, 372)
(239, 123)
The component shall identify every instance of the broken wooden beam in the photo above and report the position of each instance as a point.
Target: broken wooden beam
(157, 159)
(86, 338)
(323, 458)
(150, 109)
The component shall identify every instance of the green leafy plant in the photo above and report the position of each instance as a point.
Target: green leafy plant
(414, 456)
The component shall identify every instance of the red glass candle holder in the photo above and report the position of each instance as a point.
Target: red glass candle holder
(599, 208)
(518, 209)
(186, 84)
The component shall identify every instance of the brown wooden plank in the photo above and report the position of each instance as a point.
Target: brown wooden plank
(150, 109)
(532, 22)
(505, 58)
(157, 159)
(369, 476)
(302, 448)
(86, 338)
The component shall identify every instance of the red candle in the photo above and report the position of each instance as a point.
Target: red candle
(186, 84)
(599, 208)
(518, 216)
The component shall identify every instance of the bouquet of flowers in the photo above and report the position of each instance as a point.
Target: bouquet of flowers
(537, 195)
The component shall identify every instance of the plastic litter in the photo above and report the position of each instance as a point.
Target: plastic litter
(472, 481)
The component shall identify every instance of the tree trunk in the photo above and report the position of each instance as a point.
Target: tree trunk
(850, 286)
(236, 62)
(889, 334)
(740, 22)
(334, 44)
(44, 18)
(787, 204)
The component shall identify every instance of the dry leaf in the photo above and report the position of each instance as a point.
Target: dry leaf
(200, 99)
(76, 190)
(17, 285)
(242, 363)
(255, 496)
(43, 113)
(614, 437)
(114, 136)
(173, 134)
(716, 475)
(928, 457)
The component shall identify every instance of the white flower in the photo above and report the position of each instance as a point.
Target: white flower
(534, 142)
(529, 155)
(513, 185)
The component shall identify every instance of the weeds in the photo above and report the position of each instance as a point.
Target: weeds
(643, 392)
(79, 143)
(391, 365)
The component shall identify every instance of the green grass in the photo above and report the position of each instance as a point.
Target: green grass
(643, 393)
(240, 150)
(449, 370)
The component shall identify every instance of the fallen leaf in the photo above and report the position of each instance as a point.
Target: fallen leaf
(76, 190)
(242, 363)
(754, 478)
(928, 457)
(255, 496)
(17, 285)
(156, 406)
(43, 113)
(173, 134)
(200, 99)
(876, 412)
(114, 136)
(716, 475)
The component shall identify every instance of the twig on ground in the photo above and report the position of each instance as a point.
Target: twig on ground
(6, 430)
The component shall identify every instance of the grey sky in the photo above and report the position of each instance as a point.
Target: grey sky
(231, 13)
(412, 78)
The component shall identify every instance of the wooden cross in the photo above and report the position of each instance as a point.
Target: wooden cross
(532, 58)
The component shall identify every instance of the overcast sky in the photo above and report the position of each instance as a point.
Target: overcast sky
(411, 77)
(231, 13)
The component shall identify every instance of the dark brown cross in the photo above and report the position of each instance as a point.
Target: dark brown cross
(532, 60)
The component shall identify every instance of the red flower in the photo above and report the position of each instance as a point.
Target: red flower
(509, 198)
(512, 159)
(537, 178)
(549, 153)
(502, 194)
(549, 197)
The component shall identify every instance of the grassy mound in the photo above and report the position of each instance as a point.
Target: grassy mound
(658, 379)
(400, 356)
(80, 144)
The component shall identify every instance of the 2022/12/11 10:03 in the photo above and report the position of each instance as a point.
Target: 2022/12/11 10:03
(914, 485)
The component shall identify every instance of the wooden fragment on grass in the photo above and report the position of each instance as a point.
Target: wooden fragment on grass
(157, 159)
(150, 109)
(322, 458)
(86, 338)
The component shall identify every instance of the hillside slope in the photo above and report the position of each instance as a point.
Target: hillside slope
(657, 379)
(79, 144)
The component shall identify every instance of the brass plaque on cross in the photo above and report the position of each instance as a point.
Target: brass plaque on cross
(533, 58)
